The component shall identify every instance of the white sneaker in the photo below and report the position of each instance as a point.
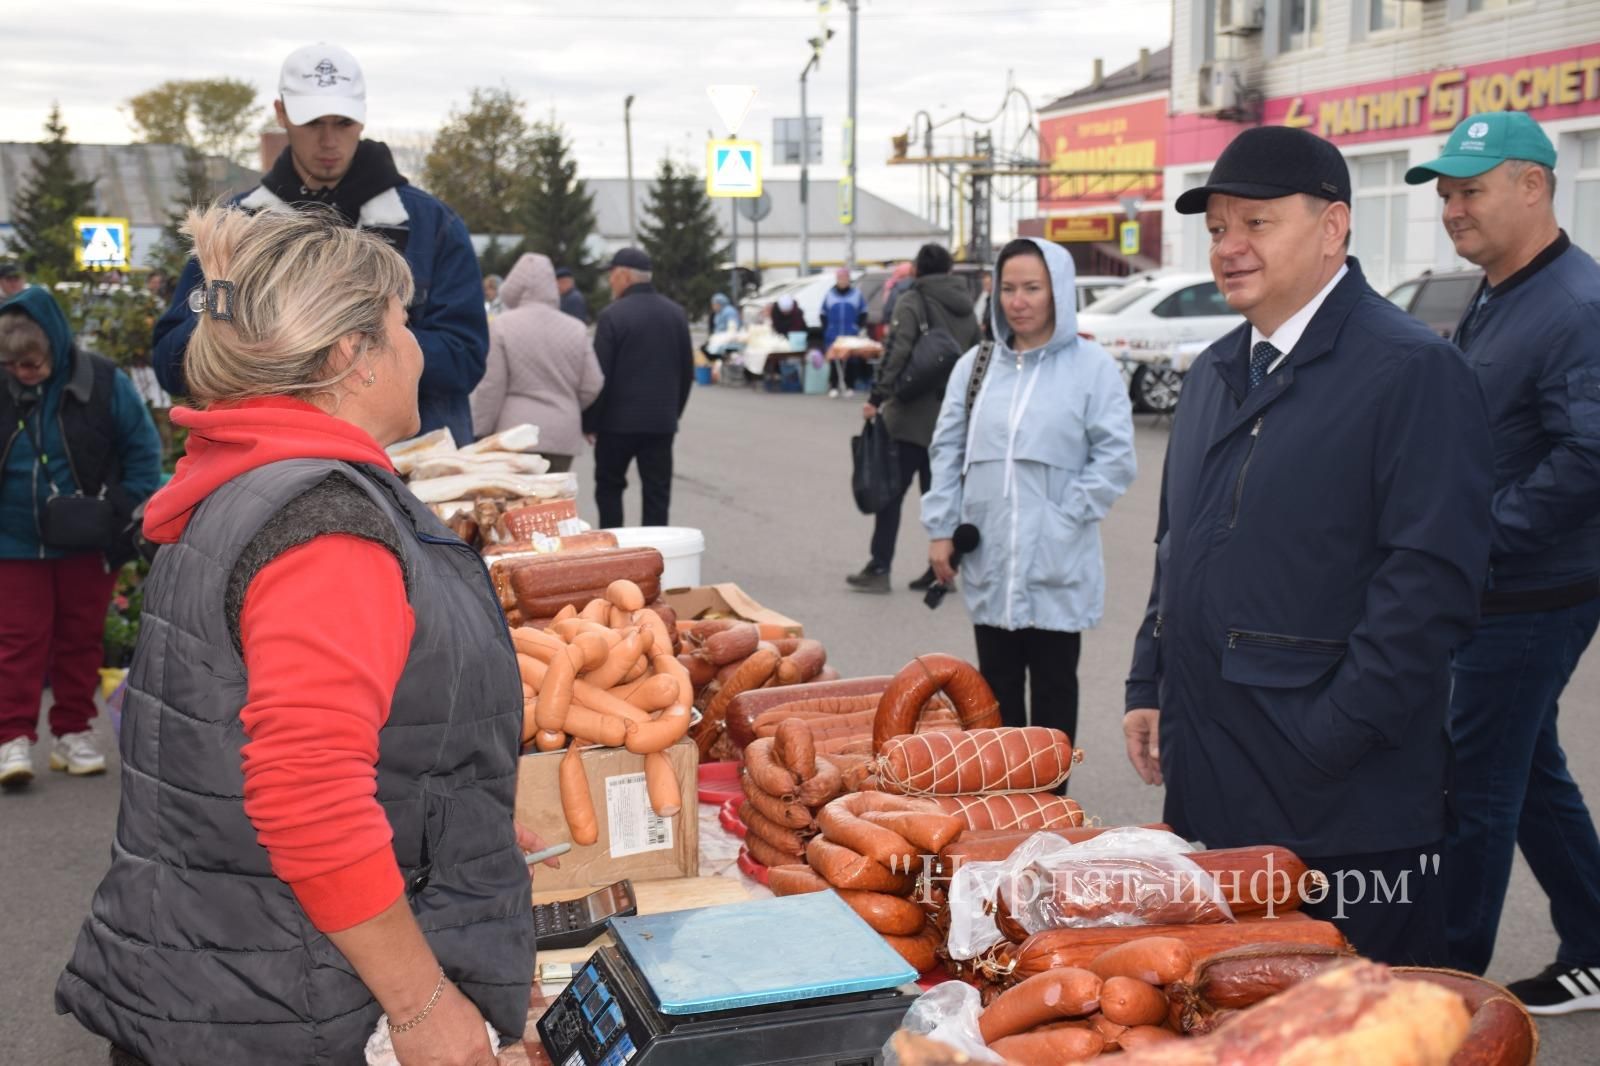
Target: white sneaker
(833, 394)
(77, 755)
(16, 762)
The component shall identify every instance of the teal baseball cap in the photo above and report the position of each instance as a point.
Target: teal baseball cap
(1483, 142)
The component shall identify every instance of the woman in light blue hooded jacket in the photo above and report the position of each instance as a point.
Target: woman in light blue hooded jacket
(1046, 450)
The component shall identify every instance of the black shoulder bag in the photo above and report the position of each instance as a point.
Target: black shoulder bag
(933, 356)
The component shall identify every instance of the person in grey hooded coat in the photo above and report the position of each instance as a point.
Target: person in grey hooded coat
(1035, 466)
(542, 367)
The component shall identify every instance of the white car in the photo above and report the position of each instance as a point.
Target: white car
(1155, 325)
(807, 293)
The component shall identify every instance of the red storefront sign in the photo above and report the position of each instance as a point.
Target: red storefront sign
(1549, 85)
(1129, 137)
(1073, 229)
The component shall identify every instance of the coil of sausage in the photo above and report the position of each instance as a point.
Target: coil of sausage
(918, 680)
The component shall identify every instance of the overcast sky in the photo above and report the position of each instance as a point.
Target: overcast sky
(578, 59)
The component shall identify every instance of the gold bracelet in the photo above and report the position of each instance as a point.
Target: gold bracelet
(438, 990)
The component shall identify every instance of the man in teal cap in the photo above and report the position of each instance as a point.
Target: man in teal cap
(1532, 338)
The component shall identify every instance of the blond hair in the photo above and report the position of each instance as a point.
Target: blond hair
(302, 281)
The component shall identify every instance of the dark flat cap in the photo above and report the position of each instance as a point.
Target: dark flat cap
(8, 269)
(1267, 162)
(632, 258)
(563, 272)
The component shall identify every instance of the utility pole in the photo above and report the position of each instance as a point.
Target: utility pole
(627, 132)
(850, 168)
(805, 165)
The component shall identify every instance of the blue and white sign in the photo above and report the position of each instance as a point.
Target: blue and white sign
(733, 168)
(102, 243)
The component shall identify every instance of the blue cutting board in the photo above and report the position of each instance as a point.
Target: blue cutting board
(765, 951)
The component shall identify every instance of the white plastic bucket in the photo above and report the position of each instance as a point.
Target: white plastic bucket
(681, 549)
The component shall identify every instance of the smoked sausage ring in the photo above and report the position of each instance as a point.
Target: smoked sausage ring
(918, 680)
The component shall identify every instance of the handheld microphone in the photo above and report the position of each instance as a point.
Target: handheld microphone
(965, 540)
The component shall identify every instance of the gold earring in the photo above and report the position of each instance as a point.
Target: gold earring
(371, 377)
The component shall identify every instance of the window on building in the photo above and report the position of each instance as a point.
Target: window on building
(1208, 19)
(1393, 15)
(1378, 217)
(1586, 195)
(1491, 5)
(1302, 24)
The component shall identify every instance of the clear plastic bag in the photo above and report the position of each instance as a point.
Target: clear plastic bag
(1122, 877)
(949, 1014)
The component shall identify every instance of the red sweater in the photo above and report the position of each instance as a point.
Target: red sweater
(326, 629)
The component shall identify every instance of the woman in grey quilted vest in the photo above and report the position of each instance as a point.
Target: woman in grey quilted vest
(319, 743)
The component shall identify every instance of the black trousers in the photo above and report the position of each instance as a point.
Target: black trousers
(886, 523)
(1047, 660)
(1400, 923)
(613, 452)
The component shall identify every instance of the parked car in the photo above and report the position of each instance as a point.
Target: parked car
(1438, 300)
(1155, 325)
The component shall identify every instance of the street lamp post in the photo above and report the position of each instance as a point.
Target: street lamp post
(805, 153)
(627, 130)
(850, 164)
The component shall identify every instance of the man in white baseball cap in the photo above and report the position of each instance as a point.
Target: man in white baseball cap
(322, 107)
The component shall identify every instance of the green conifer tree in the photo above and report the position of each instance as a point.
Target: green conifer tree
(557, 208)
(43, 210)
(682, 237)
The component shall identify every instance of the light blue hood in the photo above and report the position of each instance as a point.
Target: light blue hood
(1064, 286)
(1047, 450)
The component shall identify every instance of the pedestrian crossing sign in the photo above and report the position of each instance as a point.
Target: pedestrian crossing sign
(1130, 238)
(733, 168)
(102, 243)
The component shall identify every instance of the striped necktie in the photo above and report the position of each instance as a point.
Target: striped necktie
(1261, 357)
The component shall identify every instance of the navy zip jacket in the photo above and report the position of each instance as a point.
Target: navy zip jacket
(1535, 349)
(642, 342)
(1320, 550)
(446, 313)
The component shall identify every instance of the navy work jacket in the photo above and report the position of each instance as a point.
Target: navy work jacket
(1321, 548)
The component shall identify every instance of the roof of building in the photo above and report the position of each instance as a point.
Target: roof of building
(1126, 81)
(875, 216)
(139, 182)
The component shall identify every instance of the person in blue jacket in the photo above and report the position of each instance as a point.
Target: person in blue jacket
(1322, 541)
(843, 311)
(1035, 464)
(1530, 338)
(322, 106)
(73, 424)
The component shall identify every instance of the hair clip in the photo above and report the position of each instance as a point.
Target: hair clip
(215, 298)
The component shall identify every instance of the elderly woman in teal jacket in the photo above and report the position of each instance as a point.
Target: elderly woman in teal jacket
(78, 452)
(1035, 466)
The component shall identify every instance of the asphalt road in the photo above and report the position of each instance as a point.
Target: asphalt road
(767, 478)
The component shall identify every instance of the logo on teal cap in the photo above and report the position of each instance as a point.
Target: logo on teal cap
(1482, 142)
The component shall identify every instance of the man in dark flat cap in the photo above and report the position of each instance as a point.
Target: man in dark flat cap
(642, 339)
(1322, 542)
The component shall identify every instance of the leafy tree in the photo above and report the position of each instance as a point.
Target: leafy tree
(216, 116)
(682, 237)
(42, 212)
(557, 211)
(478, 159)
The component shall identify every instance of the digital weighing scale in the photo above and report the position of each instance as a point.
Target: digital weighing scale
(796, 980)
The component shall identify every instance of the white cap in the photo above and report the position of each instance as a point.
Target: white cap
(322, 79)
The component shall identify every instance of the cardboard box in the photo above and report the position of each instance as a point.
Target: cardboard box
(633, 842)
(729, 601)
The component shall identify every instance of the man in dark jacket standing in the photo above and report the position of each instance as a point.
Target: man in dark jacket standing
(1530, 337)
(322, 105)
(572, 301)
(936, 300)
(642, 339)
(1322, 541)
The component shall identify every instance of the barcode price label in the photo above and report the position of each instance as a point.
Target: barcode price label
(635, 827)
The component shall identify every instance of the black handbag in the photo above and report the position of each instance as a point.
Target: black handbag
(875, 479)
(933, 356)
(75, 522)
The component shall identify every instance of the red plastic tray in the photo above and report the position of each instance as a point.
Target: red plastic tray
(729, 817)
(719, 782)
(751, 867)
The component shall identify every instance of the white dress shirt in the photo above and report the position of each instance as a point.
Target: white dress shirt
(1286, 336)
